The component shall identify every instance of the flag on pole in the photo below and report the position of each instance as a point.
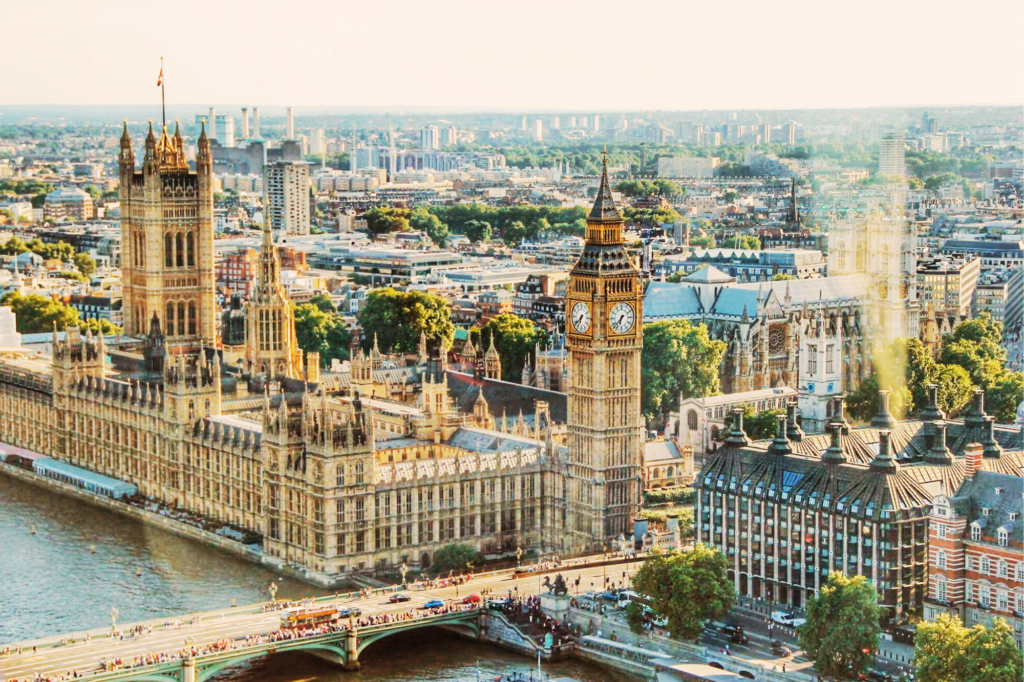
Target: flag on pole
(160, 78)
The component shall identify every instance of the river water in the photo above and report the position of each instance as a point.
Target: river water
(83, 561)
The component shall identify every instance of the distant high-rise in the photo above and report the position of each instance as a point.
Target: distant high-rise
(766, 133)
(449, 136)
(597, 123)
(789, 130)
(430, 137)
(287, 188)
(225, 130)
(929, 124)
(538, 130)
(891, 151)
(317, 143)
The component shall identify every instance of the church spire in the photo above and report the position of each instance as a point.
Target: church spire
(604, 223)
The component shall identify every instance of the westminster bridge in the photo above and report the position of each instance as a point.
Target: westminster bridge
(196, 647)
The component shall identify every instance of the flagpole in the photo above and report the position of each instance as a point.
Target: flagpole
(163, 98)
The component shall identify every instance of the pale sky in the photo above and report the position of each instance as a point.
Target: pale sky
(542, 55)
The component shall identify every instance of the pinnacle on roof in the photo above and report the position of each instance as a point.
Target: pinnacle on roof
(884, 461)
(604, 204)
(883, 419)
(780, 445)
(834, 452)
(737, 437)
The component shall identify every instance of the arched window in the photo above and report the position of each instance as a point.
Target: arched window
(179, 250)
(884, 261)
(181, 317)
(861, 253)
(691, 420)
(841, 256)
(941, 561)
(669, 474)
(190, 249)
(169, 322)
(168, 251)
(192, 318)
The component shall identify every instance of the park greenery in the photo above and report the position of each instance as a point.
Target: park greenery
(383, 220)
(679, 359)
(645, 188)
(38, 314)
(319, 328)
(396, 319)
(515, 339)
(687, 587)
(743, 242)
(61, 251)
(968, 358)
(947, 651)
(842, 626)
(512, 224)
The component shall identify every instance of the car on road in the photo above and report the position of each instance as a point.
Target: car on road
(397, 598)
(591, 595)
(471, 599)
(608, 596)
(433, 604)
(781, 650)
(353, 612)
(732, 629)
(787, 619)
(739, 638)
(875, 676)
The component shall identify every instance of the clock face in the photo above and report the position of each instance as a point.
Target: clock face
(581, 317)
(622, 318)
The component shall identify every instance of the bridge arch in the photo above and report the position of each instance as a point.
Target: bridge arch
(335, 653)
(470, 628)
(152, 677)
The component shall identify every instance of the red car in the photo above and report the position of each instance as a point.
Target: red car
(471, 599)
(395, 598)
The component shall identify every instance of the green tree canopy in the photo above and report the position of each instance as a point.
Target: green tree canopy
(425, 221)
(687, 587)
(842, 625)
(1004, 396)
(321, 331)
(782, 276)
(515, 339)
(701, 241)
(946, 651)
(677, 358)
(85, 264)
(454, 557)
(477, 231)
(37, 314)
(324, 303)
(387, 220)
(758, 425)
(741, 241)
(397, 318)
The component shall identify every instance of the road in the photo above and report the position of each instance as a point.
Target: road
(231, 624)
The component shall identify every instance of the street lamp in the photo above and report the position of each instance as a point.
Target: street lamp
(403, 570)
(273, 591)
(114, 613)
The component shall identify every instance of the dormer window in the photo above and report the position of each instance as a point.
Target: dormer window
(1003, 537)
(1013, 516)
(975, 532)
(985, 511)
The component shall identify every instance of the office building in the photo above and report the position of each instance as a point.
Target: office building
(947, 283)
(430, 137)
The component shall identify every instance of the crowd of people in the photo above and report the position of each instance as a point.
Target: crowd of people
(526, 612)
(280, 635)
(292, 604)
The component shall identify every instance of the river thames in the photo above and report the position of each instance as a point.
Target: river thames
(81, 562)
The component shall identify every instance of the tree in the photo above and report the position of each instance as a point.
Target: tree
(515, 339)
(387, 220)
(842, 625)
(678, 358)
(1004, 396)
(454, 557)
(324, 303)
(85, 264)
(687, 588)
(741, 241)
(37, 314)
(782, 276)
(701, 241)
(425, 221)
(13, 246)
(321, 331)
(478, 231)
(947, 651)
(397, 318)
(635, 616)
(955, 388)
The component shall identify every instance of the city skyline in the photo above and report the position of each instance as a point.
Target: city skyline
(458, 57)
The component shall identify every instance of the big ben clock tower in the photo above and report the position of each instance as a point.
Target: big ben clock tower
(604, 337)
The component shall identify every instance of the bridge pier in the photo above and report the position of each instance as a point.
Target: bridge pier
(352, 650)
(188, 670)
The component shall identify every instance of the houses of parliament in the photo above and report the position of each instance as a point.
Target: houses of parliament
(335, 473)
